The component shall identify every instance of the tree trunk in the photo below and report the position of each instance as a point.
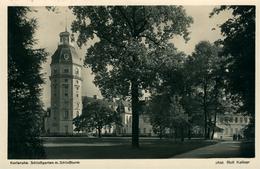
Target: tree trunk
(189, 132)
(182, 134)
(175, 133)
(214, 125)
(205, 112)
(135, 114)
(160, 132)
(99, 132)
(208, 133)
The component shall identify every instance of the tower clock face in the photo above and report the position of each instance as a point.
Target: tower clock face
(66, 56)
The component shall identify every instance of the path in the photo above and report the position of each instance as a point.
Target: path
(226, 149)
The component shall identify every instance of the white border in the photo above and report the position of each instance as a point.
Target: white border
(126, 164)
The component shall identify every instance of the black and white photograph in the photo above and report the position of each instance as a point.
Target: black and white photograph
(137, 82)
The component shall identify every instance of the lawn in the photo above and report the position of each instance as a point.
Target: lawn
(117, 148)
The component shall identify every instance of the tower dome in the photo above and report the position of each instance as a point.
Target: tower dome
(65, 52)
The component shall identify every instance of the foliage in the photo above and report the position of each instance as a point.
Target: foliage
(130, 41)
(167, 114)
(206, 68)
(239, 49)
(24, 79)
(178, 117)
(159, 113)
(249, 130)
(96, 115)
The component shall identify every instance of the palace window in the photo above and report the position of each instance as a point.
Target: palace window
(221, 119)
(226, 131)
(231, 131)
(245, 120)
(236, 120)
(241, 119)
(130, 119)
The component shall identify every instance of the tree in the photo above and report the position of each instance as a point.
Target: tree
(129, 38)
(206, 69)
(178, 119)
(24, 79)
(240, 63)
(78, 123)
(159, 114)
(96, 115)
(166, 113)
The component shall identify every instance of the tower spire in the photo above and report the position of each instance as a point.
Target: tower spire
(66, 20)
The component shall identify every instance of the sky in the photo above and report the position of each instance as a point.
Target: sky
(50, 24)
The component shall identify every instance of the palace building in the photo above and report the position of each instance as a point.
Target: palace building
(66, 85)
(231, 125)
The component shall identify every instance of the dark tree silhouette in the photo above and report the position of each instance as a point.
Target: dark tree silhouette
(24, 79)
(239, 49)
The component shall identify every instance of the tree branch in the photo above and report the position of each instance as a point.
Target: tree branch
(151, 39)
(126, 19)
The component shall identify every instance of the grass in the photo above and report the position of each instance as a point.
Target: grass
(120, 148)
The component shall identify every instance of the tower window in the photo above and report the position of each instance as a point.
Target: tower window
(66, 114)
(66, 70)
(66, 86)
(65, 80)
(66, 94)
(77, 95)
